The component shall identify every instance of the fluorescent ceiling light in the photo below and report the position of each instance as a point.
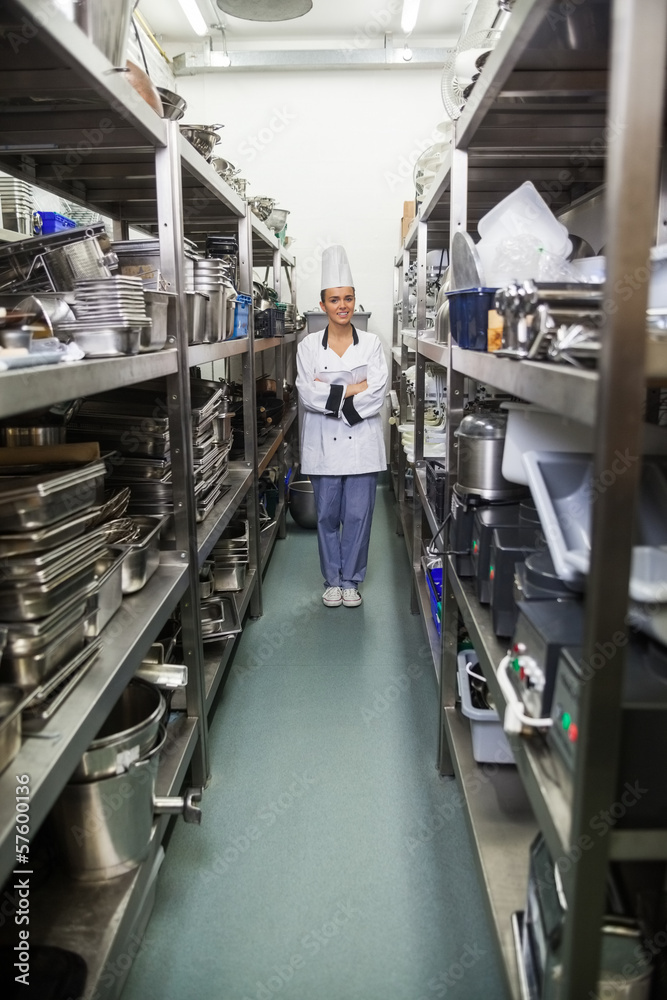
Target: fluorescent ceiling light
(409, 15)
(194, 16)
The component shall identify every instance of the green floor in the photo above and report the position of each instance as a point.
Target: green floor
(323, 868)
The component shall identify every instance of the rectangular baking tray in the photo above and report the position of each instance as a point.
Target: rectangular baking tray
(25, 603)
(37, 501)
(108, 592)
(28, 638)
(20, 543)
(32, 669)
(41, 567)
(47, 699)
(219, 619)
(142, 557)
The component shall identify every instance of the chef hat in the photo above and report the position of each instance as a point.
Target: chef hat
(336, 271)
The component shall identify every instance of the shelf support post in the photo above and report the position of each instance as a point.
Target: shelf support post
(250, 414)
(638, 53)
(170, 223)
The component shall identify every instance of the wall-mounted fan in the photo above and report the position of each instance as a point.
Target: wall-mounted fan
(462, 68)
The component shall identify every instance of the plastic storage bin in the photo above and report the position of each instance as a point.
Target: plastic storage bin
(271, 322)
(469, 316)
(241, 316)
(434, 581)
(52, 222)
(489, 742)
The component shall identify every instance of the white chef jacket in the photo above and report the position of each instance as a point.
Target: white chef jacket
(341, 437)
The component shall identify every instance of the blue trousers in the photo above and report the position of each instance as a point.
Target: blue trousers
(344, 515)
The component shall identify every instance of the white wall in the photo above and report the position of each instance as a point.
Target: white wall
(333, 148)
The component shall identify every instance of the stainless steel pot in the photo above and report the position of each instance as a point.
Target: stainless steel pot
(104, 827)
(301, 502)
(129, 733)
(480, 443)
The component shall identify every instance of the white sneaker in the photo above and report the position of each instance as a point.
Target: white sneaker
(351, 598)
(332, 597)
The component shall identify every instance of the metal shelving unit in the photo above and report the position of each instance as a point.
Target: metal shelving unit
(138, 169)
(544, 109)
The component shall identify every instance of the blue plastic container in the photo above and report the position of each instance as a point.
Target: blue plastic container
(434, 581)
(469, 316)
(52, 222)
(241, 316)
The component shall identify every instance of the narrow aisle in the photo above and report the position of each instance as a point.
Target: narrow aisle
(331, 862)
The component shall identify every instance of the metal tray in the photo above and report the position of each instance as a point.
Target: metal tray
(21, 543)
(219, 619)
(107, 343)
(33, 669)
(25, 603)
(41, 567)
(47, 699)
(109, 593)
(30, 637)
(33, 502)
(127, 415)
(142, 557)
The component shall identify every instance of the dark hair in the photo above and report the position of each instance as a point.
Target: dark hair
(324, 290)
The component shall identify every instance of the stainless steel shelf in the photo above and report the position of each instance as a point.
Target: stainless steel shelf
(182, 736)
(50, 761)
(240, 479)
(27, 389)
(556, 387)
(266, 343)
(268, 537)
(268, 450)
(202, 354)
(502, 828)
(289, 338)
(546, 784)
(243, 599)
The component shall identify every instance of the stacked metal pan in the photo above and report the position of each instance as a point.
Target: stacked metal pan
(209, 277)
(142, 258)
(230, 557)
(54, 262)
(134, 424)
(50, 551)
(17, 201)
(111, 316)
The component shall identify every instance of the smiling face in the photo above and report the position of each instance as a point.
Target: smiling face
(338, 304)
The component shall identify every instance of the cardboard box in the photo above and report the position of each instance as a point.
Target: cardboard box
(408, 216)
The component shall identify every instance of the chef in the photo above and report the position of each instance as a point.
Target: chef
(342, 380)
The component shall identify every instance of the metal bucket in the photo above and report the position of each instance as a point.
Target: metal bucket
(103, 827)
(127, 735)
(107, 24)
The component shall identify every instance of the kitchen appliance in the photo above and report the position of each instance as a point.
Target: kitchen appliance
(480, 442)
(509, 546)
(484, 521)
(543, 628)
(643, 727)
(540, 933)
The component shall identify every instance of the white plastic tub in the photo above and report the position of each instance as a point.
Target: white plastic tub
(530, 428)
(524, 211)
(489, 742)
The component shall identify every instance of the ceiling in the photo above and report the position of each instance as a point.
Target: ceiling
(366, 21)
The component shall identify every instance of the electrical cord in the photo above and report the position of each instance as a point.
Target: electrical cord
(515, 718)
